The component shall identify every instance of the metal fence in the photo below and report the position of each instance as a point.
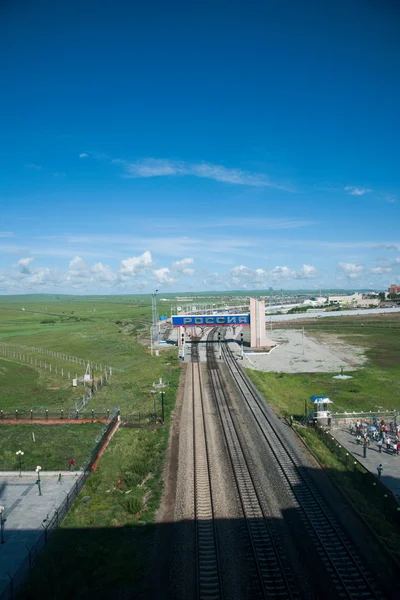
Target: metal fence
(24, 571)
(44, 414)
(137, 418)
(339, 420)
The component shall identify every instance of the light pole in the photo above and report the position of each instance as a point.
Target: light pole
(154, 403)
(162, 407)
(2, 521)
(20, 454)
(38, 469)
(154, 316)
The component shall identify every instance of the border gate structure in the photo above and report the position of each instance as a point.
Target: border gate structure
(255, 319)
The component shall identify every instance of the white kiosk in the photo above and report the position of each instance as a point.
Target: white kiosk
(321, 414)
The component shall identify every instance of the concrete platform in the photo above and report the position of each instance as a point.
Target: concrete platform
(26, 514)
(390, 462)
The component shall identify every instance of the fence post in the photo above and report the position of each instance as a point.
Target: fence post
(108, 413)
(1, 414)
(47, 414)
(92, 414)
(62, 413)
(31, 414)
(16, 413)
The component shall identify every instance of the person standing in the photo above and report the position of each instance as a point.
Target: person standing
(72, 464)
(398, 448)
(380, 445)
(379, 468)
(365, 445)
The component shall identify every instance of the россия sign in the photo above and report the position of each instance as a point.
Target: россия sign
(210, 320)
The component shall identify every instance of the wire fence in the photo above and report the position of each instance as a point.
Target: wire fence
(14, 350)
(24, 571)
(97, 376)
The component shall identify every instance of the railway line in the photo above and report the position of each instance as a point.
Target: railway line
(340, 558)
(208, 571)
(271, 565)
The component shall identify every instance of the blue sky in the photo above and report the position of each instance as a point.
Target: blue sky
(199, 146)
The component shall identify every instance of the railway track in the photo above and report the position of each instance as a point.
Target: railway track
(208, 575)
(336, 552)
(270, 564)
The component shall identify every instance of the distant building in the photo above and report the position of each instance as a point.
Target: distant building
(394, 289)
(355, 299)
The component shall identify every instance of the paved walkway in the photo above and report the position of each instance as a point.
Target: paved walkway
(25, 513)
(390, 462)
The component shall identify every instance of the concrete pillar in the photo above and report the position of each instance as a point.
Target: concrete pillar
(258, 338)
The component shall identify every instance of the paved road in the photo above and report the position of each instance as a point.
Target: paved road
(25, 512)
(339, 313)
(390, 462)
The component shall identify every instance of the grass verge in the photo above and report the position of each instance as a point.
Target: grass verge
(104, 544)
(52, 449)
(367, 498)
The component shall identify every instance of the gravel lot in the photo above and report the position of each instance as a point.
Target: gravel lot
(304, 353)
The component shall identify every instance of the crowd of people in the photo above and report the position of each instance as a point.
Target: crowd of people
(386, 436)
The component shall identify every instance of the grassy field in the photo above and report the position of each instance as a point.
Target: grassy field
(100, 329)
(23, 387)
(376, 386)
(104, 544)
(54, 445)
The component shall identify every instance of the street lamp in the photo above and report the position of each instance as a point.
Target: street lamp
(2, 521)
(20, 454)
(38, 469)
(162, 406)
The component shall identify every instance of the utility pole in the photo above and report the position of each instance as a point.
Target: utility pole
(154, 318)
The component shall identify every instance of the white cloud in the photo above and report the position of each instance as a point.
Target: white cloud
(355, 191)
(155, 167)
(23, 265)
(307, 272)
(380, 270)
(83, 155)
(391, 198)
(32, 166)
(350, 270)
(136, 265)
(164, 276)
(181, 266)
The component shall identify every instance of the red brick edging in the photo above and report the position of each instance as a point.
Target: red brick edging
(105, 444)
(53, 421)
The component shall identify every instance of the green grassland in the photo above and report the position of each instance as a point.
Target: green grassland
(23, 387)
(112, 331)
(104, 543)
(375, 386)
(52, 449)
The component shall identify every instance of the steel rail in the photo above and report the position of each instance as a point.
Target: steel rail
(341, 560)
(269, 564)
(208, 571)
